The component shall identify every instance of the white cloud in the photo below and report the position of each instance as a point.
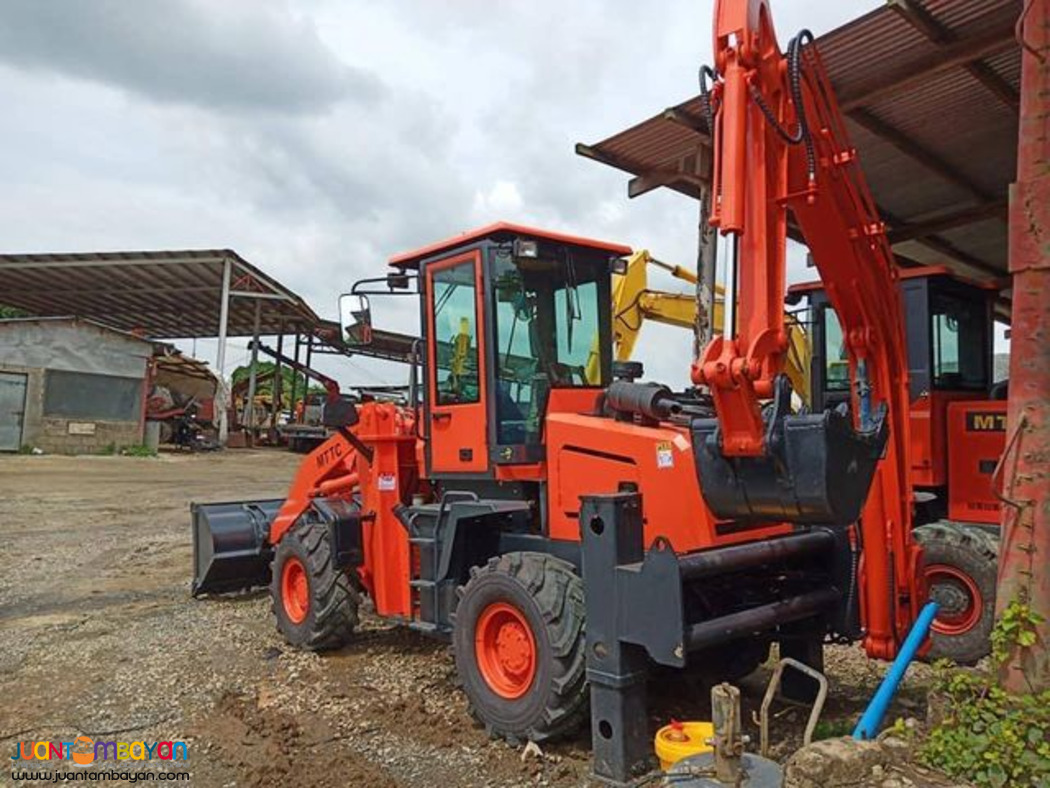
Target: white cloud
(318, 138)
(503, 199)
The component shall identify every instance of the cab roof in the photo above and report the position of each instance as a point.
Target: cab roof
(796, 291)
(502, 231)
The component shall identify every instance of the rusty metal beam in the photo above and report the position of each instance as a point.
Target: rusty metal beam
(942, 246)
(912, 230)
(914, 150)
(691, 122)
(591, 152)
(950, 250)
(922, 20)
(998, 86)
(691, 175)
(944, 59)
(674, 179)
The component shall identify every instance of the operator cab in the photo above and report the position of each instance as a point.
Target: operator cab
(515, 313)
(948, 323)
(949, 327)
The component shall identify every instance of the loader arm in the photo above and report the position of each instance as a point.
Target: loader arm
(780, 144)
(330, 469)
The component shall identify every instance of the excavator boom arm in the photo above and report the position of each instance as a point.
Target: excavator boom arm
(780, 145)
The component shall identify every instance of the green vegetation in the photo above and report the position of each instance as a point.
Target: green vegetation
(8, 312)
(137, 451)
(832, 729)
(989, 736)
(1016, 627)
(264, 372)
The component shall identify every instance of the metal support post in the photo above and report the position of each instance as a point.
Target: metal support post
(278, 383)
(728, 743)
(1024, 555)
(705, 283)
(221, 391)
(249, 407)
(295, 375)
(611, 527)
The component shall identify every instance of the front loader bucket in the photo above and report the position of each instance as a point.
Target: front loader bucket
(817, 470)
(230, 551)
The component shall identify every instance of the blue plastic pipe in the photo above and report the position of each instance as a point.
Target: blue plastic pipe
(871, 720)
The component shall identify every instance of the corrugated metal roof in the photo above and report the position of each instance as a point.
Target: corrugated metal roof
(161, 294)
(930, 94)
(14, 322)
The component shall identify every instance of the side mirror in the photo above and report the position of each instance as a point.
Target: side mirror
(341, 412)
(355, 318)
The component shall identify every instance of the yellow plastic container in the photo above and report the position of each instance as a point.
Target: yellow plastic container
(680, 740)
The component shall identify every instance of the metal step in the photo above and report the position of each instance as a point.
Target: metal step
(423, 626)
(419, 583)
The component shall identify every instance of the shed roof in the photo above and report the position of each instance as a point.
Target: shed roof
(162, 294)
(14, 322)
(930, 91)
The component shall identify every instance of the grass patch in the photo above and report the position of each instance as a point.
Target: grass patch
(138, 451)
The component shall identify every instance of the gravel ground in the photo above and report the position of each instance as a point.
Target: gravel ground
(99, 636)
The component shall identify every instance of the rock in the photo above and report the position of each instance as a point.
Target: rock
(532, 750)
(895, 746)
(833, 763)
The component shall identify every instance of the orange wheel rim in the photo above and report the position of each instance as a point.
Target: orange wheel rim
(505, 649)
(959, 597)
(295, 590)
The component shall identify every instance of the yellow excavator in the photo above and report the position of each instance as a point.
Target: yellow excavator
(634, 303)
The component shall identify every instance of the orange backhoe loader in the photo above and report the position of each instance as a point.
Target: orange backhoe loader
(519, 496)
(958, 432)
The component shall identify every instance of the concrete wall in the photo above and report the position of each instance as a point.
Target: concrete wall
(33, 347)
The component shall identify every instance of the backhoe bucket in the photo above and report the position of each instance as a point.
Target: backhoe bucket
(230, 551)
(817, 470)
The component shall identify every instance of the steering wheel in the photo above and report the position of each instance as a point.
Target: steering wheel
(562, 373)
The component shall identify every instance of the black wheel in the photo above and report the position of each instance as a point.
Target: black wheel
(314, 604)
(520, 648)
(960, 565)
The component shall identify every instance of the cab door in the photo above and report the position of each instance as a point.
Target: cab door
(456, 366)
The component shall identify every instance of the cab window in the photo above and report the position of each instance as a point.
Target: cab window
(455, 335)
(548, 318)
(576, 323)
(959, 337)
(836, 359)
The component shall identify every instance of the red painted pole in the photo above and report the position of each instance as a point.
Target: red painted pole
(1024, 564)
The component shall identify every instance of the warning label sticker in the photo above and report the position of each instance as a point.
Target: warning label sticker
(387, 481)
(664, 455)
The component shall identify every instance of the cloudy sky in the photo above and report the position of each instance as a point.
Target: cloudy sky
(318, 137)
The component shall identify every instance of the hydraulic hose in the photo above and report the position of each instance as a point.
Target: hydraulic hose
(707, 73)
(801, 132)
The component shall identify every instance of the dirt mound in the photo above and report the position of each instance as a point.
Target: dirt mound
(268, 748)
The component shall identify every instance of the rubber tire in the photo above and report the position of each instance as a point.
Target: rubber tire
(332, 614)
(549, 593)
(975, 551)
